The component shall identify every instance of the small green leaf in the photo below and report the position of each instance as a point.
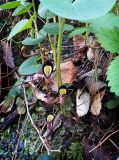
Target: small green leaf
(44, 157)
(30, 66)
(19, 27)
(53, 28)
(22, 9)
(10, 5)
(32, 41)
(113, 76)
(112, 104)
(79, 31)
(109, 39)
(43, 12)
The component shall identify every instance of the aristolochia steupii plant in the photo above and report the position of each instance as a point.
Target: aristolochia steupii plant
(90, 11)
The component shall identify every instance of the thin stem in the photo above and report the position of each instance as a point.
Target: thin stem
(53, 49)
(61, 26)
(35, 13)
(54, 46)
(36, 28)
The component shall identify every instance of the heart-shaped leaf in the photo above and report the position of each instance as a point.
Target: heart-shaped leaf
(78, 31)
(79, 9)
(53, 28)
(20, 26)
(33, 41)
(44, 12)
(30, 66)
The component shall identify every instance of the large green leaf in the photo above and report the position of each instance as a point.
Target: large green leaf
(53, 28)
(19, 27)
(107, 21)
(44, 12)
(79, 9)
(109, 39)
(30, 66)
(22, 9)
(10, 5)
(113, 76)
(78, 31)
(33, 41)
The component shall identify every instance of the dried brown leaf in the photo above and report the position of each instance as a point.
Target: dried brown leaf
(7, 104)
(41, 95)
(7, 54)
(91, 73)
(93, 86)
(96, 104)
(80, 46)
(68, 74)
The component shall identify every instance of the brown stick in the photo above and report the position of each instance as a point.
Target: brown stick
(104, 140)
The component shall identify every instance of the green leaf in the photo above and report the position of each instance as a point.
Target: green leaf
(10, 5)
(32, 41)
(19, 27)
(79, 9)
(53, 28)
(113, 76)
(109, 39)
(78, 31)
(30, 66)
(107, 21)
(44, 12)
(22, 2)
(22, 9)
(44, 157)
(112, 104)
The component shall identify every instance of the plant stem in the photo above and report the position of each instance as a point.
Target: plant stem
(35, 13)
(36, 28)
(61, 26)
(55, 45)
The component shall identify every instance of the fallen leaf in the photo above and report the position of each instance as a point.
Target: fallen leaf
(41, 95)
(79, 42)
(96, 104)
(68, 74)
(82, 103)
(7, 54)
(94, 86)
(7, 104)
(80, 46)
(91, 73)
